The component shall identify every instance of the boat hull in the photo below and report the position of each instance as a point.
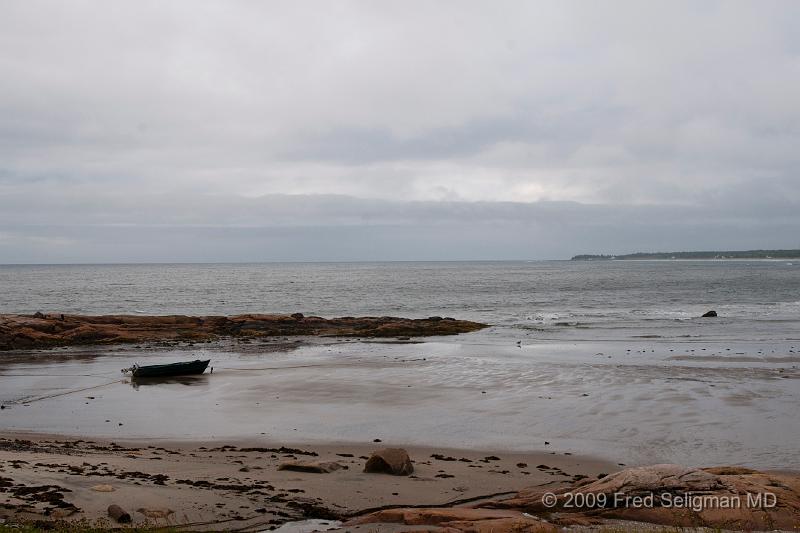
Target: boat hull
(188, 368)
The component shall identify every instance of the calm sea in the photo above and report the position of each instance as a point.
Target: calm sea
(756, 300)
(602, 358)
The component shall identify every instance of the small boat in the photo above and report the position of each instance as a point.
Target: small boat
(186, 368)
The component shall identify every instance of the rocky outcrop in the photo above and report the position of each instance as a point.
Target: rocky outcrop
(725, 497)
(394, 461)
(628, 484)
(454, 519)
(729, 498)
(49, 330)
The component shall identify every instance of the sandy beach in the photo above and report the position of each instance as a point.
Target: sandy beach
(481, 419)
(239, 487)
(74, 484)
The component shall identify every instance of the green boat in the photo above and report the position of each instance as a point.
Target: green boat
(186, 368)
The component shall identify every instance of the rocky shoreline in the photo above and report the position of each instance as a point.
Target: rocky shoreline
(57, 482)
(52, 330)
(721, 498)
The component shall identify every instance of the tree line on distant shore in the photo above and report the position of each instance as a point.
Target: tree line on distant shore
(745, 254)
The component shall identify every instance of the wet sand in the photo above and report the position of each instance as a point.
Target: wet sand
(480, 416)
(640, 402)
(237, 486)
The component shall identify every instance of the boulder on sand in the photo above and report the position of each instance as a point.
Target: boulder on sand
(315, 467)
(709, 314)
(119, 514)
(393, 461)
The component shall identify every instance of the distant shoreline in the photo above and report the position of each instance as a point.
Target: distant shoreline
(775, 255)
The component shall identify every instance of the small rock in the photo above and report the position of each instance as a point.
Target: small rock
(119, 514)
(314, 467)
(155, 513)
(103, 488)
(709, 314)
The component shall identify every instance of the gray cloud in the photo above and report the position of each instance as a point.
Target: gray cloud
(339, 228)
(387, 115)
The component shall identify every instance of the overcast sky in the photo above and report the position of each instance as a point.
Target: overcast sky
(249, 131)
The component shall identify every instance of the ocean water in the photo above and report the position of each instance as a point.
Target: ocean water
(609, 359)
(542, 299)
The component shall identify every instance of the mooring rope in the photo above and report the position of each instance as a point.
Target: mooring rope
(106, 375)
(49, 396)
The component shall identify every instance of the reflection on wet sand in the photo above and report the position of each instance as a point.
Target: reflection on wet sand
(180, 380)
(623, 401)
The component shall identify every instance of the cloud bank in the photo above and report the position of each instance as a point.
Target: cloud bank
(416, 130)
